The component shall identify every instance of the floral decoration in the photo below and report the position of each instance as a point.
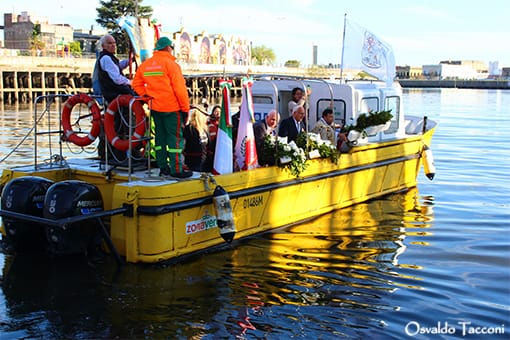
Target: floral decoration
(369, 119)
(285, 155)
(294, 155)
(312, 141)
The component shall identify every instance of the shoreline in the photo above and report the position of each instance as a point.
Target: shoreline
(483, 84)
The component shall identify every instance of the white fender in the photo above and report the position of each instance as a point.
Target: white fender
(224, 214)
(428, 162)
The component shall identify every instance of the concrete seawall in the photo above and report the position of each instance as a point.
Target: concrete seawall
(23, 78)
(459, 84)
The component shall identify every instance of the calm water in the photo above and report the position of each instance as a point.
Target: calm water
(435, 259)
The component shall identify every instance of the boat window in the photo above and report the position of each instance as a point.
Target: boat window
(393, 104)
(262, 100)
(338, 109)
(369, 104)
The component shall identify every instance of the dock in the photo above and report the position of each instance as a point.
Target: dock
(25, 78)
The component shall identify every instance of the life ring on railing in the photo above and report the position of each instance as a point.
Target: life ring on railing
(69, 134)
(124, 100)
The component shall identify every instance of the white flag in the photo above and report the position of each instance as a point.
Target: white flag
(364, 51)
(245, 149)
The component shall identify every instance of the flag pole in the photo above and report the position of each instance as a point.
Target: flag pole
(343, 49)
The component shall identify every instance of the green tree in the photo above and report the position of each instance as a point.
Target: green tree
(111, 10)
(75, 48)
(292, 63)
(263, 55)
(36, 44)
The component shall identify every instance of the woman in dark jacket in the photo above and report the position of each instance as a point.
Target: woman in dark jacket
(196, 138)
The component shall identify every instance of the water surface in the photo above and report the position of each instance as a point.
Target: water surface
(435, 258)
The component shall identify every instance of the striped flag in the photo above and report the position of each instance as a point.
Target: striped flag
(223, 159)
(245, 150)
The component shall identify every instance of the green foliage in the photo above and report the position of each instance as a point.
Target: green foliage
(371, 119)
(293, 156)
(75, 48)
(35, 40)
(286, 155)
(263, 55)
(114, 9)
(313, 141)
(292, 63)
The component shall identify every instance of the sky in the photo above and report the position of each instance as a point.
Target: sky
(420, 32)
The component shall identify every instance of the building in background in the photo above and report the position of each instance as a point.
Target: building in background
(29, 33)
(409, 72)
(88, 40)
(494, 70)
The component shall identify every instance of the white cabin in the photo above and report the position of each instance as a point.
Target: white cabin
(349, 101)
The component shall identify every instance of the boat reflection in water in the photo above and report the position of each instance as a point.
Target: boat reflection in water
(333, 274)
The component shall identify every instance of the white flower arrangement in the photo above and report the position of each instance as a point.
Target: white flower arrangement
(315, 144)
(294, 155)
(286, 155)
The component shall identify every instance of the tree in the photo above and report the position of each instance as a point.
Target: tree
(292, 63)
(263, 55)
(75, 48)
(36, 44)
(111, 10)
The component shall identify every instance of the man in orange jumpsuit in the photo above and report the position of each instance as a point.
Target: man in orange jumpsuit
(160, 78)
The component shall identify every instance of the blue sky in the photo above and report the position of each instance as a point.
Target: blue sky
(419, 31)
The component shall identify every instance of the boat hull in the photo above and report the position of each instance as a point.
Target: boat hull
(168, 220)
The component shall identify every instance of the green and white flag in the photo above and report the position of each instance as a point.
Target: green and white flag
(223, 158)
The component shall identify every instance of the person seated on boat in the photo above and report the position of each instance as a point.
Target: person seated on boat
(292, 126)
(325, 127)
(109, 70)
(298, 98)
(196, 139)
(261, 129)
(342, 143)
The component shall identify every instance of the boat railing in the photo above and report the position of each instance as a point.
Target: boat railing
(48, 102)
(47, 123)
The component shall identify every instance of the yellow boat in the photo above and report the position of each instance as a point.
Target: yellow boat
(144, 218)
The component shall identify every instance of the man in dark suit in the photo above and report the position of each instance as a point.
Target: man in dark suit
(291, 127)
(263, 128)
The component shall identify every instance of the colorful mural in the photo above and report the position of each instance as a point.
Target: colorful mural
(211, 49)
(205, 51)
(184, 53)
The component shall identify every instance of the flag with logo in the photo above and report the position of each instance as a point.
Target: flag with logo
(245, 150)
(223, 159)
(363, 50)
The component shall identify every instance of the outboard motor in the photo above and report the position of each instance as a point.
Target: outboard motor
(25, 195)
(68, 199)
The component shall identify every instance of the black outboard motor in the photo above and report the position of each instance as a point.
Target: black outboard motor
(67, 199)
(25, 195)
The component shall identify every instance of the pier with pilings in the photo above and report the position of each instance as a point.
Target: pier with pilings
(24, 78)
(23, 86)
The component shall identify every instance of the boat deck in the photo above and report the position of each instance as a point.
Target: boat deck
(140, 174)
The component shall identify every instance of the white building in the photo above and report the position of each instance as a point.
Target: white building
(447, 71)
(494, 70)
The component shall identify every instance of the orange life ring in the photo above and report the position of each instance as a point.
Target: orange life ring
(124, 100)
(71, 135)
